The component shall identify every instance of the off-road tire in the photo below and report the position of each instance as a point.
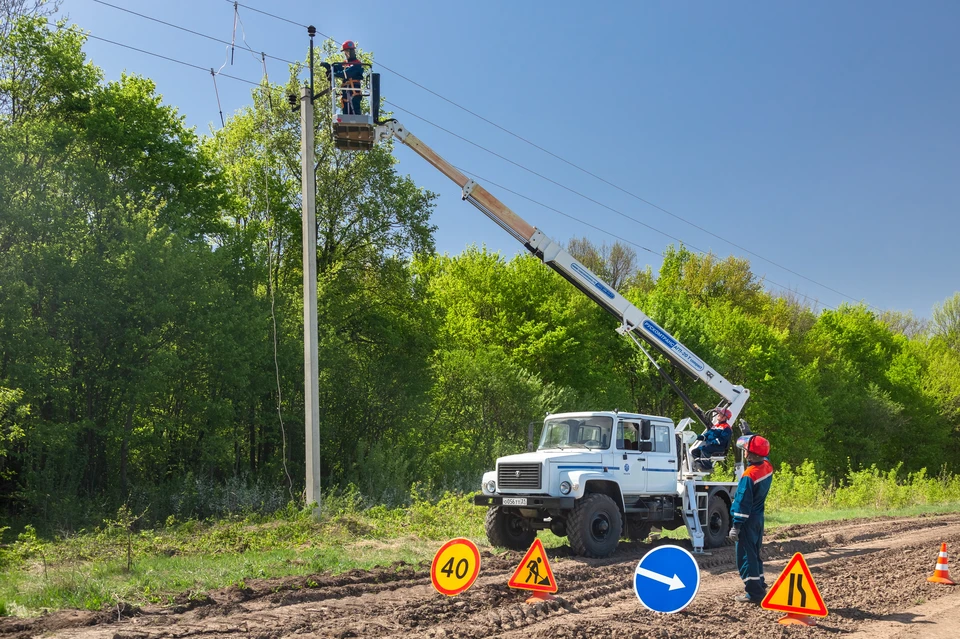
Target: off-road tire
(594, 526)
(717, 526)
(507, 530)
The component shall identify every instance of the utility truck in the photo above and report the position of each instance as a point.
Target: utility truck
(595, 475)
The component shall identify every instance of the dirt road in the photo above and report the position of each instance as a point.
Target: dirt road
(871, 573)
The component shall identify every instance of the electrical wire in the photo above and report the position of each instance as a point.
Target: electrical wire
(586, 171)
(196, 33)
(217, 91)
(273, 313)
(543, 177)
(766, 279)
(270, 14)
(157, 55)
(486, 181)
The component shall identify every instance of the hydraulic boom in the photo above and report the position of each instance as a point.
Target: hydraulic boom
(633, 322)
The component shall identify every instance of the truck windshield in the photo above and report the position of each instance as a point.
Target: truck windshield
(577, 432)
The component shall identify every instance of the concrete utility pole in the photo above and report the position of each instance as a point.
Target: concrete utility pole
(311, 375)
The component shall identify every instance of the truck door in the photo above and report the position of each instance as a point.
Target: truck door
(661, 461)
(630, 460)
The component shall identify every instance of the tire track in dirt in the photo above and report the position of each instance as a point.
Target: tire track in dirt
(596, 597)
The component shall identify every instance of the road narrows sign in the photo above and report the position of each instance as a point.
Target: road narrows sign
(455, 566)
(534, 572)
(794, 592)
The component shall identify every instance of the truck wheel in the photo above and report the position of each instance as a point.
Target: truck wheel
(594, 526)
(508, 530)
(718, 523)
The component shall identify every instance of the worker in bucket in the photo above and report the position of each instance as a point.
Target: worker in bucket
(350, 73)
(715, 440)
(747, 511)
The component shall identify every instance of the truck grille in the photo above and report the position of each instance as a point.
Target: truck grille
(518, 476)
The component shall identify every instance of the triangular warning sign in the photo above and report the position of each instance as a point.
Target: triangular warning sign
(795, 591)
(534, 572)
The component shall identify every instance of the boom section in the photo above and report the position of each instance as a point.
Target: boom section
(632, 319)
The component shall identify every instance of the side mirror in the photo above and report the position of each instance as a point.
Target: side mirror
(646, 447)
(530, 428)
(645, 429)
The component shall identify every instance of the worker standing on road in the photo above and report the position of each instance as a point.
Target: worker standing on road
(715, 441)
(747, 511)
(350, 73)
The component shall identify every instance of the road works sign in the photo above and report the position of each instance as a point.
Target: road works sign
(795, 591)
(534, 572)
(455, 567)
(667, 579)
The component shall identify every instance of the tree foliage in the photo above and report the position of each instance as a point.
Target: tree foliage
(151, 319)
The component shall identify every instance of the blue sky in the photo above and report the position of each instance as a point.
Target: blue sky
(821, 136)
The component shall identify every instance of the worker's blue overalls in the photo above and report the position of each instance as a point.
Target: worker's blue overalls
(747, 511)
(351, 74)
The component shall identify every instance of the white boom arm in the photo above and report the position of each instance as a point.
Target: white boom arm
(633, 321)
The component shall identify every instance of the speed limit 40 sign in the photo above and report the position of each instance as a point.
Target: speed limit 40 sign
(455, 566)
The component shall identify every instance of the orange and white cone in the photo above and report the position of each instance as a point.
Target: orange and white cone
(942, 573)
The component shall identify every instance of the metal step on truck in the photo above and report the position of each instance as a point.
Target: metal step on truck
(595, 475)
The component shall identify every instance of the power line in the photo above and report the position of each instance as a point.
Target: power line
(558, 211)
(580, 168)
(613, 235)
(157, 55)
(271, 15)
(543, 177)
(196, 33)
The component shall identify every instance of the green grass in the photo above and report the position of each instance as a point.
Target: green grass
(92, 585)
(88, 570)
(777, 519)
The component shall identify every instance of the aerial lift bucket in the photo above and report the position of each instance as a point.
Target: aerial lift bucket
(358, 132)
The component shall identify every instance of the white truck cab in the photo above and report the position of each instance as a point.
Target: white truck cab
(598, 476)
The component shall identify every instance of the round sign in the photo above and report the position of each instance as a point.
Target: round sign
(455, 567)
(667, 579)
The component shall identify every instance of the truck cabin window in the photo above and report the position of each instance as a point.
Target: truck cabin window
(628, 434)
(661, 435)
(580, 432)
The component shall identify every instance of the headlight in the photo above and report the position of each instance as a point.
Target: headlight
(565, 488)
(490, 486)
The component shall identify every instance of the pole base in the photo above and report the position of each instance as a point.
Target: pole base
(537, 597)
(797, 620)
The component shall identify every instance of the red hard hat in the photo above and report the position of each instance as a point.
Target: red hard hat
(348, 45)
(754, 444)
(724, 413)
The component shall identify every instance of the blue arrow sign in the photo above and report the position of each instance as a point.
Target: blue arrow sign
(667, 579)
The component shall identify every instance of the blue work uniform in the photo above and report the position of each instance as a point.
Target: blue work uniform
(351, 76)
(715, 441)
(747, 511)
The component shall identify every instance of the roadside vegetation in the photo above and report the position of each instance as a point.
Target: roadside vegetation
(178, 561)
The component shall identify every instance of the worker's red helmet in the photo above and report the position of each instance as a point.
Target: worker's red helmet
(724, 413)
(754, 444)
(349, 44)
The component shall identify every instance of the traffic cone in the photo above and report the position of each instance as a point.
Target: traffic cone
(942, 573)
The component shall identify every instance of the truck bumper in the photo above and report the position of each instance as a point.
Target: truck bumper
(533, 501)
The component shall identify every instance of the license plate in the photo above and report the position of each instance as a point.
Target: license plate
(514, 501)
